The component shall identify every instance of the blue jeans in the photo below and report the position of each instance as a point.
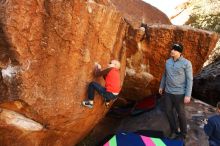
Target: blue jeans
(93, 86)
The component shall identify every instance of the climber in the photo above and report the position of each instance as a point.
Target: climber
(112, 84)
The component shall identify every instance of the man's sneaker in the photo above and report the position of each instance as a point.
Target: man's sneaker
(87, 103)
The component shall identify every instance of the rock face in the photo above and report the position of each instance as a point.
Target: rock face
(47, 53)
(137, 12)
(147, 52)
(57, 43)
(207, 84)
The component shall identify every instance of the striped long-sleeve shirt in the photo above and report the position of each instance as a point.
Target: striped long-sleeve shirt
(178, 77)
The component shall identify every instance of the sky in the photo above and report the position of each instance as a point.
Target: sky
(166, 6)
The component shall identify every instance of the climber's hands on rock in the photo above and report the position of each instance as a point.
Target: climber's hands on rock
(98, 66)
(97, 69)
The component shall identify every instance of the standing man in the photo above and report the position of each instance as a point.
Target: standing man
(176, 87)
(212, 128)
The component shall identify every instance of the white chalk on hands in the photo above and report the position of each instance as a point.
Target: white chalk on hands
(98, 65)
(111, 65)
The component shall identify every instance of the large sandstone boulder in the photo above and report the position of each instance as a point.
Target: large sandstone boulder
(147, 52)
(137, 12)
(57, 44)
(53, 45)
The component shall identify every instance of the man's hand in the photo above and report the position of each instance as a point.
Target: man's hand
(98, 66)
(97, 69)
(187, 99)
(160, 91)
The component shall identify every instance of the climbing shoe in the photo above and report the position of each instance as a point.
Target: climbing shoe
(87, 104)
(107, 104)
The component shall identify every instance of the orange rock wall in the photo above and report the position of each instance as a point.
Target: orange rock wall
(58, 43)
(55, 44)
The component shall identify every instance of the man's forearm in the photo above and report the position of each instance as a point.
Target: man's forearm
(189, 80)
(162, 82)
(104, 72)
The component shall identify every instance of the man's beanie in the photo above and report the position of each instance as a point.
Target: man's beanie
(177, 47)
